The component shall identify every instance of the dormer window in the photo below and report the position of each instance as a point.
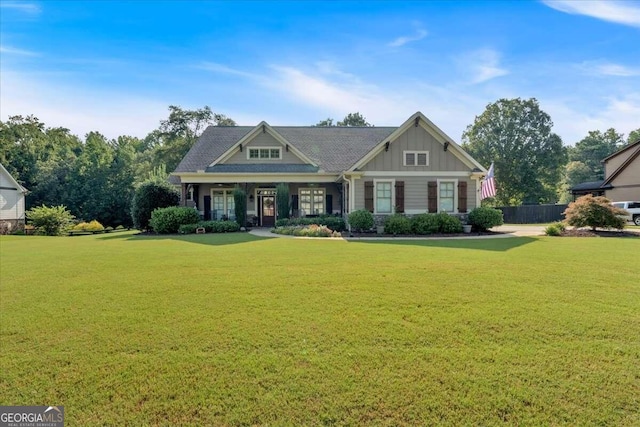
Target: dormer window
(264, 153)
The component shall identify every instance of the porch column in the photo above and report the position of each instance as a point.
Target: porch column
(183, 197)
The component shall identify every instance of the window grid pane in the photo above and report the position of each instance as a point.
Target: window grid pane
(446, 196)
(410, 159)
(383, 197)
(275, 153)
(422, 159)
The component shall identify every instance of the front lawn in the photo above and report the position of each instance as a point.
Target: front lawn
(234, 330)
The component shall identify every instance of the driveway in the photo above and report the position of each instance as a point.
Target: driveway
(521, 230)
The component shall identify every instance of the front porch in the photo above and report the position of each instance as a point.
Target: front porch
(215, 201)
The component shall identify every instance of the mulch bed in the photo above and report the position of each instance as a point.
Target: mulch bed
(599, 233)
(409, 236)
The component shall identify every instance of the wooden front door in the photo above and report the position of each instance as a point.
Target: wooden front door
(268, 211)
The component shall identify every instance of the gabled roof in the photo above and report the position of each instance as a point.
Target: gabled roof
(331, 149)
(12, 180)
(623, 166)
(419, 119)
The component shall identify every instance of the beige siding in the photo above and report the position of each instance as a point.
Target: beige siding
(415, 191)
(614, 163)
(415, 139)
(627, 184)
(263, 140)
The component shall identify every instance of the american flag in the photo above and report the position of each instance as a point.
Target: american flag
(488, 188)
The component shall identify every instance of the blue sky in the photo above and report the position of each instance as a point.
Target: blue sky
(115, 67)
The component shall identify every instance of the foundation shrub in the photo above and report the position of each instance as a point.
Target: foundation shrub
(448, 224)
(424, 224)
(333, 222)
(397, 224)
(361, 220)
(168, 220)
(484, 218)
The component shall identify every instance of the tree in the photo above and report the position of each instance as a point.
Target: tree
(516, 135)
(354, 119)
(591, 149)
(351, 119)
(574, 173)
(634, 136)
(594, 212)
(150, 195)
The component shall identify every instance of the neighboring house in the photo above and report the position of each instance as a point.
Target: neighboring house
(414, 168)
(622, 176)
(11, 202)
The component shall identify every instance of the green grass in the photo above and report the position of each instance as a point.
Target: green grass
(235, 330)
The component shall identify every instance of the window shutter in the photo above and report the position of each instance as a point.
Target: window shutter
(329, 204)
(433, 196)
(462, 196)
(399, 196)
(368, 195)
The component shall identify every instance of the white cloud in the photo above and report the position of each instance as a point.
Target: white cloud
(77, 108)
(617, 70)
(223, 69)
(21, 6)
(419, 34)
(7, 50)
(482, 65)
(626, 13)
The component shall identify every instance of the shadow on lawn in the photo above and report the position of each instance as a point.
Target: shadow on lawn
(211, 239)
(499, 245)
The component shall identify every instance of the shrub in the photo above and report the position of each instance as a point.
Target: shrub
(120, 227)
(312, 230)
(554, 229)
(151, 195)
(81, 226)
(212, 227)
(50, 221)
(188, 228)
(397, 224)
(448, 224)
(333, 222)
(282, 200)
(425, 224)
(594, 212)
(361, 220)
(108, 229)
(94, 226)
(240, 206)
(484, 218)
(168, 220)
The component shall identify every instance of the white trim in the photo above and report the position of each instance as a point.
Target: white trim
(478, 200)
(415, 158)
(248, 149)
(455, 194)
(225, 191)
(252, 134)
(324, 200)
(208, 178)
(375, 196)
(416, 173)
(432, 129)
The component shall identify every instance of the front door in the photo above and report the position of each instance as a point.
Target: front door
(268, 211)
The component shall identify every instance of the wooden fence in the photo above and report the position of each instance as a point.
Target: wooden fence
(532, 214)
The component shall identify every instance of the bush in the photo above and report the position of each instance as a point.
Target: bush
(151, 195)
(81, 226)
(484, 218)
(94, 226)
(594, 212)
(120, 227)
(397, 224)
(448, 224)
(168, 220)
(240, 206)
(50, 221)
(425, 224)
(282, 200)
(335, 223)
(188, 228)
(312, 230)
(210, 227)
(554, 229)
(361, 220)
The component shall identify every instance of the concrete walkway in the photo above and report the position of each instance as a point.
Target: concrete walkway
(508, 230)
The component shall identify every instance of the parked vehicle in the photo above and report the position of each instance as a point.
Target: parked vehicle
(633, 208)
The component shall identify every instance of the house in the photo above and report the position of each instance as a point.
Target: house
(11, 202)
(414, 168)
(622, 176)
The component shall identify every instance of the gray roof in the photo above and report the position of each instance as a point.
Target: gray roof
(262, 168)
(334, 149)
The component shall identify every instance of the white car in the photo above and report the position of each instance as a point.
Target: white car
(633, 210)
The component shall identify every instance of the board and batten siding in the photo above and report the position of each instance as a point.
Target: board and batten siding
(415, 139)
(263, 140)
(416, 191)
(11, 205)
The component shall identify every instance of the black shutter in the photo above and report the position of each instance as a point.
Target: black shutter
(462, 196)
(432, 196)
(368, 195)
(399, 197)
(329, 203)
(207, 208)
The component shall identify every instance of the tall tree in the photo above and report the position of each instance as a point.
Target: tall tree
(177, 134)
(328, 122)
(354, 119)
(591, 149)
(529, 158)
(634, 136)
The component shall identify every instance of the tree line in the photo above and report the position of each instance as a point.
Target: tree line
(96, 177)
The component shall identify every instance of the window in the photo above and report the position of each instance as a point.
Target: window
(446, 196)
(267, 153)
(416, 158)
(190, 193)
(384, 198)
(222, 205)
(311, 201)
